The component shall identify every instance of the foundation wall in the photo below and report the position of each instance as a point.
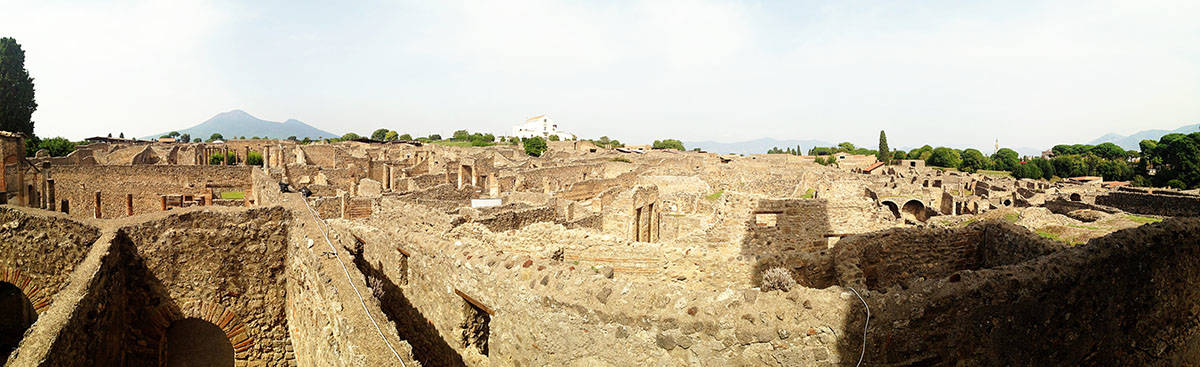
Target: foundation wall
(79, 184)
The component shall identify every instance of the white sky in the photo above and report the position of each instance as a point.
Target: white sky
(1030, 74)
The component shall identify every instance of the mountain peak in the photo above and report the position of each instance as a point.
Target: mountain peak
(240, 123)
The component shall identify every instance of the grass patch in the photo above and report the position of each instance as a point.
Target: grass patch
(1012, 217)
(1084, 227)
(1143, 220)
(622, 159)
(1058, 238)
(809, 194)
(994, 173)
(966, 222)
(715, 195)
(233, 195)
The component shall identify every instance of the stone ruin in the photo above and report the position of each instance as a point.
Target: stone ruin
(370, 254)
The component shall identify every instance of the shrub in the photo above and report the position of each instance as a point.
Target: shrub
(778, 278)
(254, 159)
(534, 146)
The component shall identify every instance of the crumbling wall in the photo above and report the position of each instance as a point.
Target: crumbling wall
(1126, 299)
(78, 186)
(1152, 203)
(38, 253)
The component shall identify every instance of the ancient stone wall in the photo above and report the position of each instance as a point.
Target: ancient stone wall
(1152, 203)
(1107, 298)
(224, 268)
(38, 253)
(78, 186)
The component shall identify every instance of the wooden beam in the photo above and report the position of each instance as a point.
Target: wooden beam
(474, 302)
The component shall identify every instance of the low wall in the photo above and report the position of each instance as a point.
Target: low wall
(1152, 203)
(147, 183)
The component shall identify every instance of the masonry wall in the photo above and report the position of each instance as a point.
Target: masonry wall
(78, 185)
(1152, 204)
(38, 253)
(546, 312)
(227, 268)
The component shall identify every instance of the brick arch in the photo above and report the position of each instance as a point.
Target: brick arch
(38, 296)
(234, 327)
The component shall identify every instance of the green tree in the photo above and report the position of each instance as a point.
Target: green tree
(292, 138)
(17, 101)
(185, 137)
(534, 146)
(196, 140)
(1005, 159)
(1114, 170)
(1069, 166)
(393, 136)
(668, 144)
(883, 154)
(349, 136)
(405, 137)
(435, 137)
(58, 146)
(1027, 170)
(846, 147)
(215, 137)
(944, 157)
(554, 138)
(461, 135)
(254, 159)
(898, 155)
(1046, 167)
(973, 160)
(379, 134)
(1108, 151)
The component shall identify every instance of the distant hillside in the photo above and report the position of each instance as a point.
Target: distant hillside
(758, 146)
(1131, 142)
(240, 123)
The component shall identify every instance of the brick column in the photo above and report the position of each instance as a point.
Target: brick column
(164, 202)
(97, 204)
(50, 193)
(129, 204)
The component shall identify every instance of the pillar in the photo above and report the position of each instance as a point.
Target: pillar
(343, 197)
(387, 177)
(164, 202)
(266, 157)
(129, 204)
(226, 156)
(97, 205)
(246, 161)
(50, 193)
(42, 197)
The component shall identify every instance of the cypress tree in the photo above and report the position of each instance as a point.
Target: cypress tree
(16, 89)
(884, 155)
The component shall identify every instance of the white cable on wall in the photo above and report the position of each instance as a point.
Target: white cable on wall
(324, 231)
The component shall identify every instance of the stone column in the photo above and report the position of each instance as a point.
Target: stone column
(226, 156)
(343, 197)
(266, 157)
(50, 193)
(246, 162)
(97, 205)
(164, 202)
(129, 204)
(387, 177)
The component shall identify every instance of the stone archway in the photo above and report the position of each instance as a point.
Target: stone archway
(915, 208)
(16, 316)
(194, 342)
(231, 329)
(895, 209)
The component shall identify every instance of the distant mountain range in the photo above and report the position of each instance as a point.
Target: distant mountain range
(758, 146)
(240, 123)
(1131, 142)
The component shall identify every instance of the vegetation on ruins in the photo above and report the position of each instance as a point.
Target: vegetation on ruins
(776, 150)
(405, 137)
(254, 159)
(622, 160)
(605, 142)
(668, 144)
(534, 146)
(17, 101)
(827, 161)
(219, 158)
(884, 154)
(844, 147)
(57, 147)
(1174, 161)
(777, 278)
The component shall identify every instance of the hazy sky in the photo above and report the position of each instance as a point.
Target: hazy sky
(958, 73)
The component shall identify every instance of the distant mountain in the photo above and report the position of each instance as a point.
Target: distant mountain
(240, 123)
(1131, 142)
(758, 146)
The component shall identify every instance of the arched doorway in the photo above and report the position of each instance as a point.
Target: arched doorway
(893, 208)
(16, 316)
(193, 342)
(915, 208)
